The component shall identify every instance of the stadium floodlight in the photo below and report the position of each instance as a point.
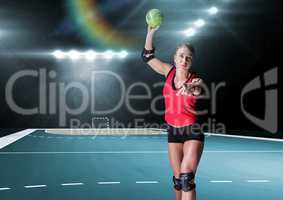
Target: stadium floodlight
(190, 32)
(108, 54)
(199, 23)
(74, 55)
(123, 54)
(90, 55)
(213, 10)
(58, 54)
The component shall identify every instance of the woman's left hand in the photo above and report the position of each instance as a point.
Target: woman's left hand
(190, 89)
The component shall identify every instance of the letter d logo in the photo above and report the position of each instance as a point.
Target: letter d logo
(270, 121)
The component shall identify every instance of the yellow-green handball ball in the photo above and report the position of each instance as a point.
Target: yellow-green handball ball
(154, 18)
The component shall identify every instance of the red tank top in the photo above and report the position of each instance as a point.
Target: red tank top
(178, 109)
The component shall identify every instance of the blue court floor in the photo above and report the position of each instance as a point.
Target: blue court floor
(52, 166)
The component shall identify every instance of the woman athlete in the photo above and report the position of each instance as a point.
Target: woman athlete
(182, 86)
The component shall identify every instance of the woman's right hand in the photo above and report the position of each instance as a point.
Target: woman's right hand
(151, 30)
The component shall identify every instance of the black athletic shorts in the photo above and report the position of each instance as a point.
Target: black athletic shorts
(182, 134)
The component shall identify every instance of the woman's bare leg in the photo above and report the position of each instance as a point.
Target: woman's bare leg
(192, 151)
(175, 151)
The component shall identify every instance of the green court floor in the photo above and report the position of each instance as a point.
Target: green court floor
(49, 166)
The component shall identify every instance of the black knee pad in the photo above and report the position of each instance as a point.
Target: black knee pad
(187, 181)
(177, 183)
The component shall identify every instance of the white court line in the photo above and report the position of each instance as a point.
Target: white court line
(85, 152)
(131, 152)
(162, 132)
(244, 151)
(9, 139)
(144, 182)
(35, 186)
(69, 184)
(258, 181)
(244, 137)
(108, 183)
(6, 188)
(220, 181)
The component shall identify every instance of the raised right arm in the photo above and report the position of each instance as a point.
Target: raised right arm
(148, 54)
